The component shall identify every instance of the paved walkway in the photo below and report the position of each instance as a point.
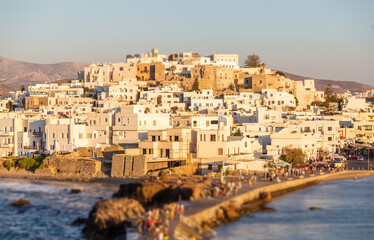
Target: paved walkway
(199, 205)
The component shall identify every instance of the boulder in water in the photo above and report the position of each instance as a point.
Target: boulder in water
(108, 218)
(315, 208)
(79, 221)
(20, 202)
(75, 191)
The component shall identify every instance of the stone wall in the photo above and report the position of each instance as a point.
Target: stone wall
(73, 165)
(189, 169)
(128, 166)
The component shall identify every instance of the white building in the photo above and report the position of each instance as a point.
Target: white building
(132, 123)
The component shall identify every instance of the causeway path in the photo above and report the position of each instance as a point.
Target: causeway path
(202, 209)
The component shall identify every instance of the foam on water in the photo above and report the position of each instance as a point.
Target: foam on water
(53, 208)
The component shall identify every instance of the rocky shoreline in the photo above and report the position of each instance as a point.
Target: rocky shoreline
(109, 218)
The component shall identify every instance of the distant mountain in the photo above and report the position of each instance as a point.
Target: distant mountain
(4, 90)
(337, 86)
(16, 73)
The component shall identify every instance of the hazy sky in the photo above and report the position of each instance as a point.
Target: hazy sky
(321, 39)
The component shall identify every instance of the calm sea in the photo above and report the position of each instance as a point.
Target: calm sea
(53, 208)
(347, 213)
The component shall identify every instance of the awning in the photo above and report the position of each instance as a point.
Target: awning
(283, 163)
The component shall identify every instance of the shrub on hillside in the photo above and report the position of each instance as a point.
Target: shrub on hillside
(31, 163)
(7, 164)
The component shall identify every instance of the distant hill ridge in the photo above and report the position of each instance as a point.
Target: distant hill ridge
(337, 86)
(14, 74)
(17, 73)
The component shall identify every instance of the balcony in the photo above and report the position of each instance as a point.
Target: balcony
(29, 147)
(37, 134)
(7, 133)
(6, 145)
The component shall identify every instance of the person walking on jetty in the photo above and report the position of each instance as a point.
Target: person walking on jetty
(182, 209)
(149, 223)
(140, 226)
(172, 213)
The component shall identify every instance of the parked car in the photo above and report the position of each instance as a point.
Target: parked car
(354, 157)
(360, 158)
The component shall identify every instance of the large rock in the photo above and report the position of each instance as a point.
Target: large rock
(143, 191)
(108, 218)
(265, 196)
(20, 202)
(154, 192)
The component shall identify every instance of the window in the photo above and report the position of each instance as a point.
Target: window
(329, 139)
(80, 135)
(176, 138)
(329, 129)
(212, 137)
(220, 151)
(320, 129)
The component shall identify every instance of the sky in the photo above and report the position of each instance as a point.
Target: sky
(328, 39)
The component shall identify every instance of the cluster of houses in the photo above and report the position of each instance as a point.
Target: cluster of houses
(181, 108)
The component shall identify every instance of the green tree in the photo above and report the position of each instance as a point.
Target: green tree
(9, 105)
(252, 61)
(196, 86)
(330, 98)
(159, 99)
(174, 109)
(237, 133)
(280, 73)
(294, 156)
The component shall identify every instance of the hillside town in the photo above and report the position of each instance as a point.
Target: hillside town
(157, 111)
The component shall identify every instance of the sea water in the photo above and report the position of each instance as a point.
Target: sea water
(51, 211)
(347, 212)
